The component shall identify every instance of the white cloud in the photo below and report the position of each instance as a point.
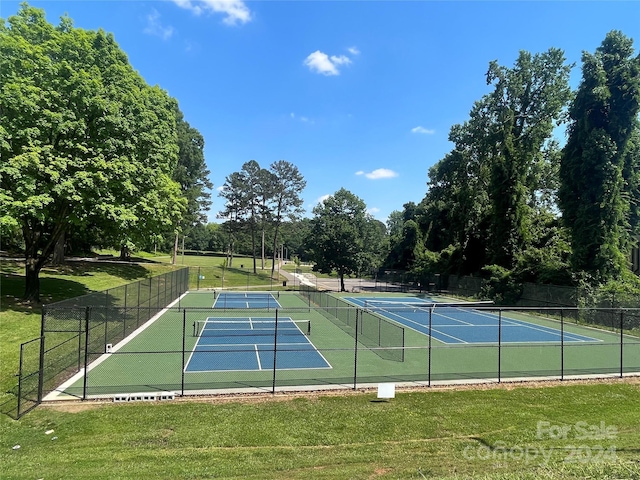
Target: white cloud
(378, 174)
(341, 60)
(426, 131)
(235, 11)
(360, 172)
(301, 118)
(320, 62)
(220, 188)
(321, 199)
(373, 210)
(154, 27)
(354, 51)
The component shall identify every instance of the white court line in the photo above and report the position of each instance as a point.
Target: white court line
(258, 357)
(548, 330)
(255, 345)
(467, 324)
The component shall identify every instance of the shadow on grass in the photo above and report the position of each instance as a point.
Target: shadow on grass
(53, 286)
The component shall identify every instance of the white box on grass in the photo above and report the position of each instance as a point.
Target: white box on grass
(386, 390)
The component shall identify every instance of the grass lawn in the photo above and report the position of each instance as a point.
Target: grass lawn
(506, 432)
(501, 433)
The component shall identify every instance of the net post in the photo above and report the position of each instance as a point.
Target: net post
(499, 343)
(275, 350)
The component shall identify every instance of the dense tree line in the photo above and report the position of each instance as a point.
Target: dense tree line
(508, 202)
(88, 148)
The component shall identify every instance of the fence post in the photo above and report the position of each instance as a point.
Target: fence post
(499, 344)
(621, 342)
(561, 344)
(429, 347)
(87, 315)
(106, 317)
(138, 304)
(275, 350)
(20, 379)
(355, 350)
(124, 314)
(184, 348)
(41, 359)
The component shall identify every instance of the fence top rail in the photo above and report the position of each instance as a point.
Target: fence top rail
(75, 301)
(37, 339)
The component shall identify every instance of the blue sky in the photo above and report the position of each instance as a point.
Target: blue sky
(357, 94)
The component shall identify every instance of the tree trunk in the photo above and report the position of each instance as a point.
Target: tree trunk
(125, 254)
(58, 251)
(175, 250)
(275, 247)
(262, 253)
(342, 289)
(32, 277)
(253, 248)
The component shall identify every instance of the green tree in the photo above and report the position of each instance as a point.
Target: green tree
(483, 196)
(341, 235)
(85, 142)
(235, 209)
(192, 175)
(526, 102)
(597, 200)
(286, 202)
(631, 175)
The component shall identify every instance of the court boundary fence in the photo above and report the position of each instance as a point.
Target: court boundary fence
(93, 351)
(77, 336)
(63, 348)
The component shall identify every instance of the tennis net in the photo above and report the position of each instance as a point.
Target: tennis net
(246, 295)
(404, 305)
(229, 328)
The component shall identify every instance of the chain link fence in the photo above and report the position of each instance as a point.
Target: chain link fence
(76, 331)
(316, 341)
(117, 344)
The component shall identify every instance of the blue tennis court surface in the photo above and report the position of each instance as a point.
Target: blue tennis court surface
(455, 325)
(232, 300)
(247, 344)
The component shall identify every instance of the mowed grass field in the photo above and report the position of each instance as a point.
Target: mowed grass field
(571, 430)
